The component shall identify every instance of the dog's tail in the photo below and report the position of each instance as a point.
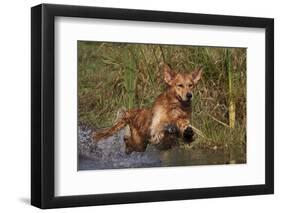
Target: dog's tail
(122, 121)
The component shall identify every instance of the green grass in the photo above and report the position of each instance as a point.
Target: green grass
(116, 75)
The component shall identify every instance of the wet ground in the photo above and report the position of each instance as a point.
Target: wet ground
(110, 154)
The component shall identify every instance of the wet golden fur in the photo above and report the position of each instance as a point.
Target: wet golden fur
(171, 110)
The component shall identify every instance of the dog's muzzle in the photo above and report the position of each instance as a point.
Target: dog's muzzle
(189, 96)
(185, 103)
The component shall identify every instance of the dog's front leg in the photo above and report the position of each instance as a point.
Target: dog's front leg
(156, 128)
(156, 135)
(185, 130)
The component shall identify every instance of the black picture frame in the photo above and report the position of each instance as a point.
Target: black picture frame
(43, 117)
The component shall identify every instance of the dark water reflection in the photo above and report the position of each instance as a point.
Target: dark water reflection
(110, 154)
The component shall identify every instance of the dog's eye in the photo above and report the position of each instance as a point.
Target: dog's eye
(180, 85)
(190, 85)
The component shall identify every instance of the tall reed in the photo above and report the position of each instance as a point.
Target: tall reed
(130, 77)
(231, 107)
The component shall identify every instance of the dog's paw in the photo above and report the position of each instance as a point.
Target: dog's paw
(157, 138)
(171, 129)
(188, 135)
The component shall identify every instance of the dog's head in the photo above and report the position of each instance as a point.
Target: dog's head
(182, 84)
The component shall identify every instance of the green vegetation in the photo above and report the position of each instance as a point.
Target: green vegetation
(116, 75)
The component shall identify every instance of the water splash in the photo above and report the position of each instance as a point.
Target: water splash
(110, 153)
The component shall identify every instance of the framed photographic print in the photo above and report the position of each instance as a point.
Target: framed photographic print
(139, 106)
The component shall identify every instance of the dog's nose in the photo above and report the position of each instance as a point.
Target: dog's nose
(189, 95)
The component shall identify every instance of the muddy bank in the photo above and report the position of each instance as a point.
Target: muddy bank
(110, 154)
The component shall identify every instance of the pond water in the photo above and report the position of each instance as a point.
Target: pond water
(110, 154)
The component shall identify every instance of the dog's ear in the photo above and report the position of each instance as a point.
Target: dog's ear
(196, 75)
(168, 73)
